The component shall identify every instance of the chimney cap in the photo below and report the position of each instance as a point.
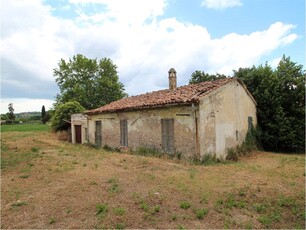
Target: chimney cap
(172, 70)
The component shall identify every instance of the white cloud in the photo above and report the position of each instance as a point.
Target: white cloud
(143, 46)
(274, 63)
(220, 4)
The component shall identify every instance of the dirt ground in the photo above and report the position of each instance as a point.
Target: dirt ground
(46, 183)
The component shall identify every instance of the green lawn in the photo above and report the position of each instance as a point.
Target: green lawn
(25, 127)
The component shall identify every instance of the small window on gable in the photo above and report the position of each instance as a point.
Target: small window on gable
(250, 123)
(167, 126)
(123, 132)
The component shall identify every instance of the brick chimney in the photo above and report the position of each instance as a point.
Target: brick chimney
(172, 79)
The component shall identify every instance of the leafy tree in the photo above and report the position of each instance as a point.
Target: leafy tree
(200, 76)
(4, 117)
(11, 115)
(280, 97)
(91, 82)
(62, 115)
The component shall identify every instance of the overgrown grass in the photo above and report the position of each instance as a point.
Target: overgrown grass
(147, 151)
(12, 159)
(25, 128)
(144, 192)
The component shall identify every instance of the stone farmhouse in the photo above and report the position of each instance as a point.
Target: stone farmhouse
(191, 120)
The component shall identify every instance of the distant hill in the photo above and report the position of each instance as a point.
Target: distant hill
(27, 114)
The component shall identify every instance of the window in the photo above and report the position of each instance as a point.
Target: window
(168, 135)
(250, 123)
(98, 134)
(123, 132)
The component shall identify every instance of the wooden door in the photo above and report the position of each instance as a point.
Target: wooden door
(78, 133)
(168, 135)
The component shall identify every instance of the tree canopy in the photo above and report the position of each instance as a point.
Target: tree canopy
(200, 76)
(63, 113)
(91, 82)
(280, 97)
(11, 115)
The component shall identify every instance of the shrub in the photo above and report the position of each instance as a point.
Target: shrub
(63, 113)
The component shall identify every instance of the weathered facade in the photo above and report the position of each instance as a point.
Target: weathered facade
(192, 120)
(79, 129)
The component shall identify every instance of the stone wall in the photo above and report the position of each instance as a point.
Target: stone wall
(144, 128)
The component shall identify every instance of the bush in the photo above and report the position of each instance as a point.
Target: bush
(61, 118)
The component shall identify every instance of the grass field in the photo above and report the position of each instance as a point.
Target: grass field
(50, 184)
(25, 127)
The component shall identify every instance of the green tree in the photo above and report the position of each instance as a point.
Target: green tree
(62, 115)
(200, 76)
(91, 82)
(43, 114)
(11, 115)
(4, 117)
(280, 97)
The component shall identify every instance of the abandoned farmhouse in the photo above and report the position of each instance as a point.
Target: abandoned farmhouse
(191, 120)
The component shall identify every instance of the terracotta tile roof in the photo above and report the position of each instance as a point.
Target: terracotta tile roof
(183, 95)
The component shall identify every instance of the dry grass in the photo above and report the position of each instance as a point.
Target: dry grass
(46, 183)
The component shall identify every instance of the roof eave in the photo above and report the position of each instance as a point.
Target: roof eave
(144, 107)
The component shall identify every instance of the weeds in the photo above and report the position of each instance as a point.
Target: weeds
(110, 149)
(173, 217)
(251, 142)
(268, 219)
(35, 149)
(260, 208)
(119, 211)
(102, 210)
(119, 226)
(208, 159)
(204, 199)
(285, 201)
(114, 185)
(24, 176)
(148, 151)
(200, 213)
(52, 220)
(192, 173)
(185, 205)
(19, 203)
(144, 206)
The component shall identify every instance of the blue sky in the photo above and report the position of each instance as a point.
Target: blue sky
(144, 38)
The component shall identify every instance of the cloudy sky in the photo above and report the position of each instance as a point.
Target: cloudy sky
(144, 38)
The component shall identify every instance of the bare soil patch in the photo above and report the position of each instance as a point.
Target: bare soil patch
(46, 183)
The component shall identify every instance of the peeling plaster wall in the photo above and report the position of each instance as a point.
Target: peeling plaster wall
(79, 119)
(223, 119)
(144, 128)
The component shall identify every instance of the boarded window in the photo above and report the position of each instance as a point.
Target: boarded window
(98, 134)
(123, 132)
(168, 135)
